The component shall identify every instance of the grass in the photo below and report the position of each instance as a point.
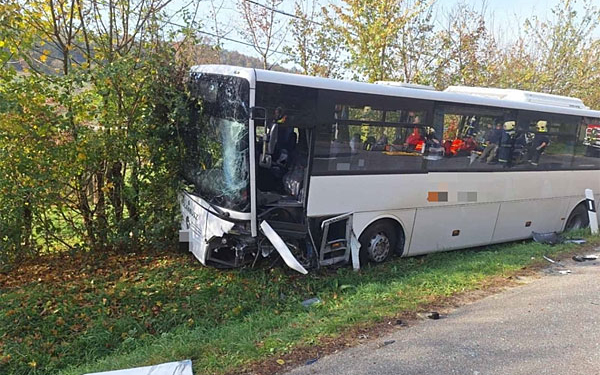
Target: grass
(87, 314)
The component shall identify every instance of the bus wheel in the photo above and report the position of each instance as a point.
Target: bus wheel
(578, 219)
(377, 243)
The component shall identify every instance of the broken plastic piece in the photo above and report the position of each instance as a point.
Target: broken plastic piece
(551, 238)
(282, 248)
(170, 368)
(311, 301)
(311, 361)
(583, 258)
(354, 251)
(553, 261)
(576, 241)
(388, 342)
(564, 272)
(434, 315)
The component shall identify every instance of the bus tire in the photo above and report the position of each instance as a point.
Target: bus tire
(578, 219)
(377, 242)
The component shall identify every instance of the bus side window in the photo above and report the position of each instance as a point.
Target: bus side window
(587, 149)
(549, 141)
(466, 131)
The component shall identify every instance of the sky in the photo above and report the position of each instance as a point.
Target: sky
(504, 17)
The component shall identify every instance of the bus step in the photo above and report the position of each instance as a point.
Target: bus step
(286, 229)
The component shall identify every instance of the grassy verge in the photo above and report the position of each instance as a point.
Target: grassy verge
(83, 315)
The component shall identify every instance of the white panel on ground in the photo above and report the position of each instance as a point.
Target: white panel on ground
(171, 368)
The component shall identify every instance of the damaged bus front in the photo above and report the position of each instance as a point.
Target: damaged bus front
(219, 217)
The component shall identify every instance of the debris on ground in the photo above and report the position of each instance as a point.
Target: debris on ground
(311, 301)
(583, 258)
(576, 241)
(550, 238)
(362, 336)
(386, 343)
(434, 315)
(564, 272)
(553, 261)
(170, 368)
(553, 238)
(311, 361)
(398, 322)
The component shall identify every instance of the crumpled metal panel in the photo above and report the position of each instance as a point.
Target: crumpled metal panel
(201, 224)
(282, 248)
(170, 368)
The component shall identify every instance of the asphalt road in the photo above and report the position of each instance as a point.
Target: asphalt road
(550, 325)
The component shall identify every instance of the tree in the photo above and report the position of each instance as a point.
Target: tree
(99, 99)
(370, 31)
(316, 47)
(563, 49)
(467, 50)
(418, 47)
(263, 28)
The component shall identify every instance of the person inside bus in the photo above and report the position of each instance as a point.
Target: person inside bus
(471, 127)
(492, 141)
(433, 147)
(413, 140)
(381, 143)
(355, 143)
(413, 118)
(539, 143)
(519, 147)
(505, 148)
(467, 146)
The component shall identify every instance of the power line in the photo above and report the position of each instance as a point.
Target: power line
(284, 13)
(221, 37)
(228, 39)
(291, 15)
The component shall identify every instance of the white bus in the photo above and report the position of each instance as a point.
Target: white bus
(325, 171)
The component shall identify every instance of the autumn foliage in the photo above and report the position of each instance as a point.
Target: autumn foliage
(88, 135)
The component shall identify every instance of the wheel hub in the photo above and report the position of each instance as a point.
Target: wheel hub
(379, 247)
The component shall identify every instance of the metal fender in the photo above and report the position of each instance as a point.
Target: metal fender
(282, 248)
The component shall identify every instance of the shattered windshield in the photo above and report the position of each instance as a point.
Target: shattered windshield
(216, 140)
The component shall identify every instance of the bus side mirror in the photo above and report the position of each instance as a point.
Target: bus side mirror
(258, 113)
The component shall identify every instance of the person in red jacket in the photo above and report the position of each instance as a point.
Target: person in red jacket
(413, 140)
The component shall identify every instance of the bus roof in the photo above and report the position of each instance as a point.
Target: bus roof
(456, 96)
